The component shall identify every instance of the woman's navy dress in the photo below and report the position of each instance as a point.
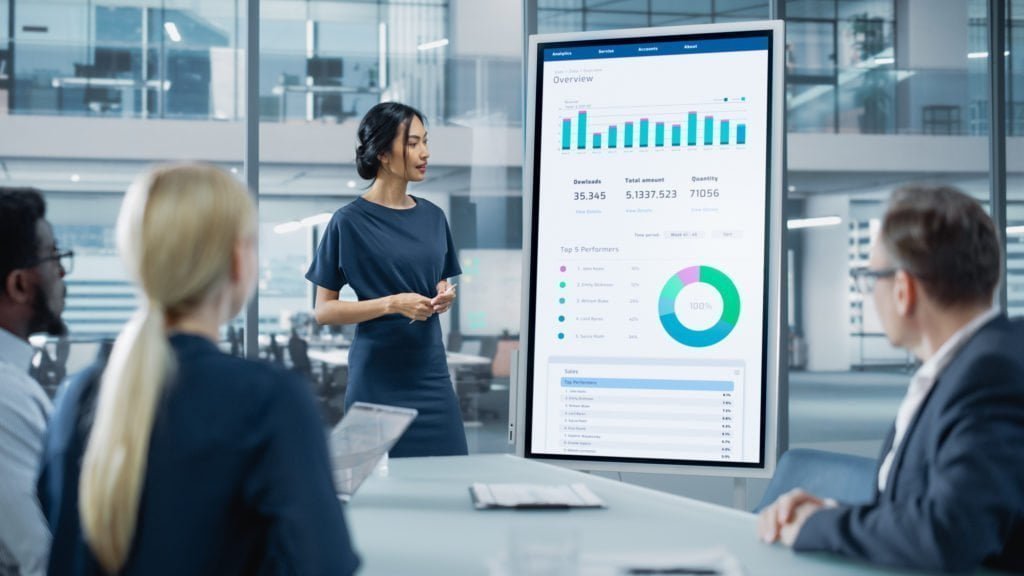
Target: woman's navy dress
(382, 251)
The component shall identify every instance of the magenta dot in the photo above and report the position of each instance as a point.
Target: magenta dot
(562, 268)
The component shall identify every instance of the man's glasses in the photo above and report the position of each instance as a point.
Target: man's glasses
(66, 259)
(864, 279)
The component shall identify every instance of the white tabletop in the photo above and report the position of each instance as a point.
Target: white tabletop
(419, 520)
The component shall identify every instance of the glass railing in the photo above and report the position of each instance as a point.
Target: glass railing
(208, 83)
(882, 100)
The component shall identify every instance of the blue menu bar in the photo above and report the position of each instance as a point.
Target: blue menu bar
(656, 49)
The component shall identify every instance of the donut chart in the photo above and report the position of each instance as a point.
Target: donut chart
(674, 326)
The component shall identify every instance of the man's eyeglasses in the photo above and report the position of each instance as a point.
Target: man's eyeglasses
(66, 259)
(864, 278)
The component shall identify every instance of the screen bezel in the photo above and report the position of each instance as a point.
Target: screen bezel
(773, 304)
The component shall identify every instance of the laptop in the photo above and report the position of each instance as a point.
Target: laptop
(361, 439)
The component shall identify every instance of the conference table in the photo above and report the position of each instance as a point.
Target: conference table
(419, 519)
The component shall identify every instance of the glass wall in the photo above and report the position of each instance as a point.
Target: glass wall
(322, 66)
(82, 67)
(576, 15)
(1015, 176)
(127, 59)
(868, 81)
(915, 72)
(95, 64)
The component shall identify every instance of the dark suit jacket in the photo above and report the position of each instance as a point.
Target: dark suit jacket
(238, 479)
(955, 494)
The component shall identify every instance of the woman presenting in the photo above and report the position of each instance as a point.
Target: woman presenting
(396, 252)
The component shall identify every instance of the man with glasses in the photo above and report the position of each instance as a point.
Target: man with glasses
(950, 482)
(32, 294)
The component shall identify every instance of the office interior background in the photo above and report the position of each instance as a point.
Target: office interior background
(879, 93)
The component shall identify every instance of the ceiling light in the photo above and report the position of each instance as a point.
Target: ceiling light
(351, 184)
(317, 219)
(435, 44)
(75, 177)
(172, 31)
(1015, 230)
(288, 227)
(976, 55)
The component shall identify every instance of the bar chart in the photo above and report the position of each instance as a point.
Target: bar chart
(703, 130)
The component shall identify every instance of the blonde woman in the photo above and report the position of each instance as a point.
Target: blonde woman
(197, 462)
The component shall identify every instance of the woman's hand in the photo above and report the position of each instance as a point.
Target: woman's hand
(412, 306)
(445, 296)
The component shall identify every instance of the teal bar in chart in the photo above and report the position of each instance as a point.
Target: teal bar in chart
(677, 134)
(613, 132)
(643, 132)
(724, 131)
(709, 130)
(691, 129)
(741, 133)
(597, 140)
(566, 133)
(581, 130)
(659, 134)
(629, 135)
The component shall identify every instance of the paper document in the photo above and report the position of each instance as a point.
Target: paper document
(533, 496)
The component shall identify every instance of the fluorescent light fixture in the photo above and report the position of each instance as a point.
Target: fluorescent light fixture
(234, 170)
(75, 177)
(351, 183)
(1015, 230)
(822, 221)
(288, 227)
(172, 31)
(435, 44)
(307, 222)
(976, 55)
(316, 219)
(882, 61)
(792, 188)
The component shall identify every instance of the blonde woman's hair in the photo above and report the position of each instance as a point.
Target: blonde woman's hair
(177, 232)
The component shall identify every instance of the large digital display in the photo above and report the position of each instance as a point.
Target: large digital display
(649, 301)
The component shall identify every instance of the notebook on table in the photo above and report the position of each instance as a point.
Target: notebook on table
(539, 496)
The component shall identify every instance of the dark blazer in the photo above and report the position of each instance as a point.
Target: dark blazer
(238, 479)
(955, 495)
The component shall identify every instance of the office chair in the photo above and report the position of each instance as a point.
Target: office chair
(43, 371)
(274, 352)
(298, 351)
(325, 72)
(96, 98)
(235, 339)
(848, 479)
